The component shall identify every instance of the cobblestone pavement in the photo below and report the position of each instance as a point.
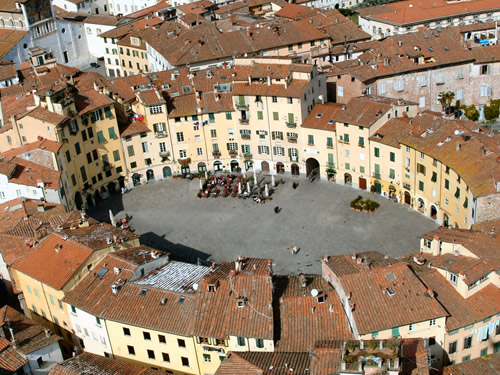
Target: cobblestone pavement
(315, 217)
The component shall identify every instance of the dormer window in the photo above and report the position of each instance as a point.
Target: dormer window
(213, 287)
(453, 278)
(241, 301)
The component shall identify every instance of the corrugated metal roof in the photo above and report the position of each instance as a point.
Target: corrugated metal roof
(175, 276)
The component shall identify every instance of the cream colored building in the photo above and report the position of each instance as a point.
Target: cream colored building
(132, 54)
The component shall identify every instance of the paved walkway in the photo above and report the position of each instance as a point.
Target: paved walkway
(315, 217)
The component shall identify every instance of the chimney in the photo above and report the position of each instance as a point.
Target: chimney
(155, 254)
(58, 248)
(249, 79)
(13, 338)
(269, 80)
(458, 146)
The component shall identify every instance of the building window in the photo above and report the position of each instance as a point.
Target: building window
(392, 156)
(411, 327)
(452, 348)
(199, 151)
(468, 342)
(275, 99)
(97, 321)
(180, 137)
(213, 133)
(131, 350)
(377, 152)
(259, 343)
(185, 361)
(73, 308)
(181, 343)
(207, 358)
(241, 341)
(126, 331)
(453, 278)
(392, 173)
(165, 357)
(151, 354)
(466, 358)
(421, 185)
(147, 336)
(154, 109)
(329, 142)
(182, 154)
(484, 352)
(310, 140)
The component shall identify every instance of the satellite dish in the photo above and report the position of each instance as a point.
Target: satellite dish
(195, 286)
(457, 132)
(314, 292)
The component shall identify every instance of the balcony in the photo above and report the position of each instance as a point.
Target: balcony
(243, 121)
(291, 124)
(294, 158)
(216, 154)
(247, 156)
(233, 153)
(292, 139)
(160, 134)
(164, 154)
(406, 185)
(376, 175)
(241, 106)
(245, 136)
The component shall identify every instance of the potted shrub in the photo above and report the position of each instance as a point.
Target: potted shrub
(372, 344)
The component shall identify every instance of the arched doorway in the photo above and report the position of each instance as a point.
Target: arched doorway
(407, 198)
(280, 168)
(446, 221)
(90, 200)
(202, 167)
(347, 179)
(185, 170)
(112, 187)
(78, 200)
(248, 164)
(234, 165)
(295, 170)
(312, 167)
(167, 172)
(362, 183)
(150, 175)
(121, 182)
(136, 179)
(433, 212)
(378, 187)
(97, 196)
(217, 166)
(264, 166)
(421, 205)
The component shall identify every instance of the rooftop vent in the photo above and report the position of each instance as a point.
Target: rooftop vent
(103, 271)
(181, 299)
(58, 248)
(318, 115)
(241, 301)
(390, 292)
(143, 292)
(163, 301)
(116, 270)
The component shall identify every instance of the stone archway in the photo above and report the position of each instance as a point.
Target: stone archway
(433, 211)
(136, 179)
(407, 198)
(280, 168)
(347, 179)
(112, 187)
(234, 165)
(312, 167)
(295, 170)
(78, 200)
(420, 205)
(378, 187)
(217, 165)
(446, 221)
(167, 172)
(264, 166)
(150, 175)
(202, 167)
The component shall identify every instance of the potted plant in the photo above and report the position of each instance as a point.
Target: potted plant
(372, 344)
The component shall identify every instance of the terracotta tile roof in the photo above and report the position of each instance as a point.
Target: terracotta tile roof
(394, 130)
(133, 128)
(325, 361)
(295, 89)
(409, 12)
(41, 144)
(90, 100)
(365, 110)
(492, 227)
(323, 116)
(152, 9)
(369, 281)
(10, 359)
(304, 320)
(31, 174)
(7, 167)
(184, 106)
(51, 266)
(9, 39)
(462, 312)
(88, 363)
(10, 6)
(234, 364)
(148, 21)
(197, 7)
(96, 234)
(479, 26)
(7, 70)
(487, 365)
(150, 97)
(293, 11)
(266, 363)
(475, 160)
(218, 313)
(29, 336)
(94, 294)
(488, 54)
(117, 32)
(102, 19)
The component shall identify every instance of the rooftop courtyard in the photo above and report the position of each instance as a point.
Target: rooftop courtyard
(315, 217)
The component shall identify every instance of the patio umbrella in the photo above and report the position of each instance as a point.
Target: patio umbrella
(273, 184)
(206, 175)
(201, 185)
(266, 192)
(112, 218)
(248, 187)
(254, 177)
(239, 188)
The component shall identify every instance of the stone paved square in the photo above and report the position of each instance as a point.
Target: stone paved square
(315, 217)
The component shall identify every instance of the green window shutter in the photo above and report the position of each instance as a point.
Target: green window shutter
(100, 137)
(227, 144)
(434, 177)
(457, 193)
(291, 118)
(276, 116)
(421, 185)
(155, 128)
(466, 203)
(447, 184)
(107, 112)
(330, 160)
(348, 166)
(377, 168)
(395, 332)
(392, 156)
(392, 173)
(377, 152)
(194, 117)
(228, 116)
(260, 115)
(329, 142)
(243, 148)
(241, 99)
(346, 138)
(273, 135)
(361, 141)
(211, 116)
(112, 133)
(116, 155)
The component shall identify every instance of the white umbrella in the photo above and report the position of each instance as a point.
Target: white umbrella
(112, 218)
(273, 184)
(254, 177)
(201, 185)
(206, 175)
(266, 192)
(248, 187)
(239, 188)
